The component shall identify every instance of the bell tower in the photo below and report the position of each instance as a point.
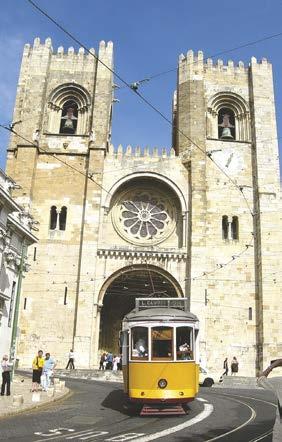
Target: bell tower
(227, 139)
(63, 109)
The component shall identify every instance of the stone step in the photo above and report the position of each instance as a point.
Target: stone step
(239, 382)
(107, 375)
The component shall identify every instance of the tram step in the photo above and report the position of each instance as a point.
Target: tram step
(154, 410)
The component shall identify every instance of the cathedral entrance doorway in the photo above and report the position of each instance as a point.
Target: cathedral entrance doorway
(119, 298)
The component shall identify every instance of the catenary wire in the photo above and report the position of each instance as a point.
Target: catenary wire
(145, 100)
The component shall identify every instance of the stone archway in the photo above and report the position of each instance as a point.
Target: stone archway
(119, 293)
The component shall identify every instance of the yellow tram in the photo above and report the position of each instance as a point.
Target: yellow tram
(159, 341)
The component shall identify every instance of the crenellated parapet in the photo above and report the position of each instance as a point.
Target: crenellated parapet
(137, 151)
(46, 46)
(195, 64)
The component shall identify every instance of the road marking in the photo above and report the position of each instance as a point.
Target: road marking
(87, 434)
(251, 418)
(54, 432)
(94, 434)
(208, 409)
(124, 437)
(201, 399)
(268, 433)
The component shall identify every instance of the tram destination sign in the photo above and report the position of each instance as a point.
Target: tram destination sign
(177, 303)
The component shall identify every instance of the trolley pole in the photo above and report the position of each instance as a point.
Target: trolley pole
(16, 312)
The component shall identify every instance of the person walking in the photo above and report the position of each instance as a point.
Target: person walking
(47, 372)
(6, 379)
(234, 366)
(109, 361)
(225, 367)
(71, 360)
(37, 366)
(102, 366)
(275, 385)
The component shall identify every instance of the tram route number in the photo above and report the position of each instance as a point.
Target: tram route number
(72, 434)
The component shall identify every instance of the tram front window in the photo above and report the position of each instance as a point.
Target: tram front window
(184, 343)
(139, 343)
(162, 343)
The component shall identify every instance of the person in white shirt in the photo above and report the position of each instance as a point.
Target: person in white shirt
(6, 379)
(275, 385)
(71, 360)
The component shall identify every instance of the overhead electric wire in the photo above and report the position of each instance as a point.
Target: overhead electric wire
(145, 100)
(153, 107)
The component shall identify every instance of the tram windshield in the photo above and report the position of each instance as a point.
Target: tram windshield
(162, 343)
(139, 343)
(184, 343)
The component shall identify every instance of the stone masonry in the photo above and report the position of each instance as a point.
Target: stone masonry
(232, 282)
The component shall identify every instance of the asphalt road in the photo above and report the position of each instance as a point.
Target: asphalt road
(95, 411)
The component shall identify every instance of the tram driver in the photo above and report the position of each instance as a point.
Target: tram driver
(185, 352)
(140, 347)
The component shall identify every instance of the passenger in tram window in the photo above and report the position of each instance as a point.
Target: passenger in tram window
(140, 347)
(185, 352)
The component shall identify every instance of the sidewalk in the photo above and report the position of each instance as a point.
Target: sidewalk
(21, 396)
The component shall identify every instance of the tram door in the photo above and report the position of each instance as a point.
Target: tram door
(124, 350)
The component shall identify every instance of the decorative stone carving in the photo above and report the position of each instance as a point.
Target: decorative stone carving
(144, 216)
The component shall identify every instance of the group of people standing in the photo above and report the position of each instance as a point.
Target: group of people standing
(42, 371)
(234, 367)
(108, 361)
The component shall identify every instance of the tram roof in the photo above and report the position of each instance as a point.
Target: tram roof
(160, 314)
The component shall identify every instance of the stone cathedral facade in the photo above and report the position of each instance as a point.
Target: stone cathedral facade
(201, 219)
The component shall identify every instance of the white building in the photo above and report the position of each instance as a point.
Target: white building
(15, 237)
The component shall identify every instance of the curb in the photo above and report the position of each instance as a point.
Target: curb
(31, 407)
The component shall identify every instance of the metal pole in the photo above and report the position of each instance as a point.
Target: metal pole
(16, 312)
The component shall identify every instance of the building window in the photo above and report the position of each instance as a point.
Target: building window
(250, 313)
(34, 254)
(53, 217)
(69, 118)
(235, 228)
(225, 227)
(226, 124)
(63, 218)
(12, 302)
(25, 301)
(65, 296)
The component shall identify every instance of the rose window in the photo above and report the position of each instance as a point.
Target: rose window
(144, 216)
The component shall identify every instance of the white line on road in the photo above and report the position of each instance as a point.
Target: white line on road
(208, 409)
(201, 399)
(251, 418)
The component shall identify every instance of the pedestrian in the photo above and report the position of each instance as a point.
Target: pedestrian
(225, 367)
(37, 366)
(109, 361)
(47, 372)
(6, 379)
(115, 362)
(71, 360)
(234, 366)
(102, 366)
(119, 365)
(275, 385)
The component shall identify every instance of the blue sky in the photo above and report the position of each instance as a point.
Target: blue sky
(148, 36)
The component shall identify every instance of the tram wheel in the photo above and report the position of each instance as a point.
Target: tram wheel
(208, 382)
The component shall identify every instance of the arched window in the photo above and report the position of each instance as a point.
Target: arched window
(69, 118)
(225, 227)
(69, 110)
(226, 124)
(235, 227)
(53, 218)
(228, 117)
(63, 218)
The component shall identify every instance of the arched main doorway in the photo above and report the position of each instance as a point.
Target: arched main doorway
(119, 295)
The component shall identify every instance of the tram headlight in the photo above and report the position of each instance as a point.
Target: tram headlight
(162, 383)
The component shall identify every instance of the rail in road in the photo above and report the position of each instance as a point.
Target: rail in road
(96, 412)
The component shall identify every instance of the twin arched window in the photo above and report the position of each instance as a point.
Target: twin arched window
(230, 229)
(58, 218)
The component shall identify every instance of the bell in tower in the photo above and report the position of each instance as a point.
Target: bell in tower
(226, 127)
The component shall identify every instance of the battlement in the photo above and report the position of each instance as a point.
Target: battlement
(104, 49)
(196, 63)
(137, 151)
